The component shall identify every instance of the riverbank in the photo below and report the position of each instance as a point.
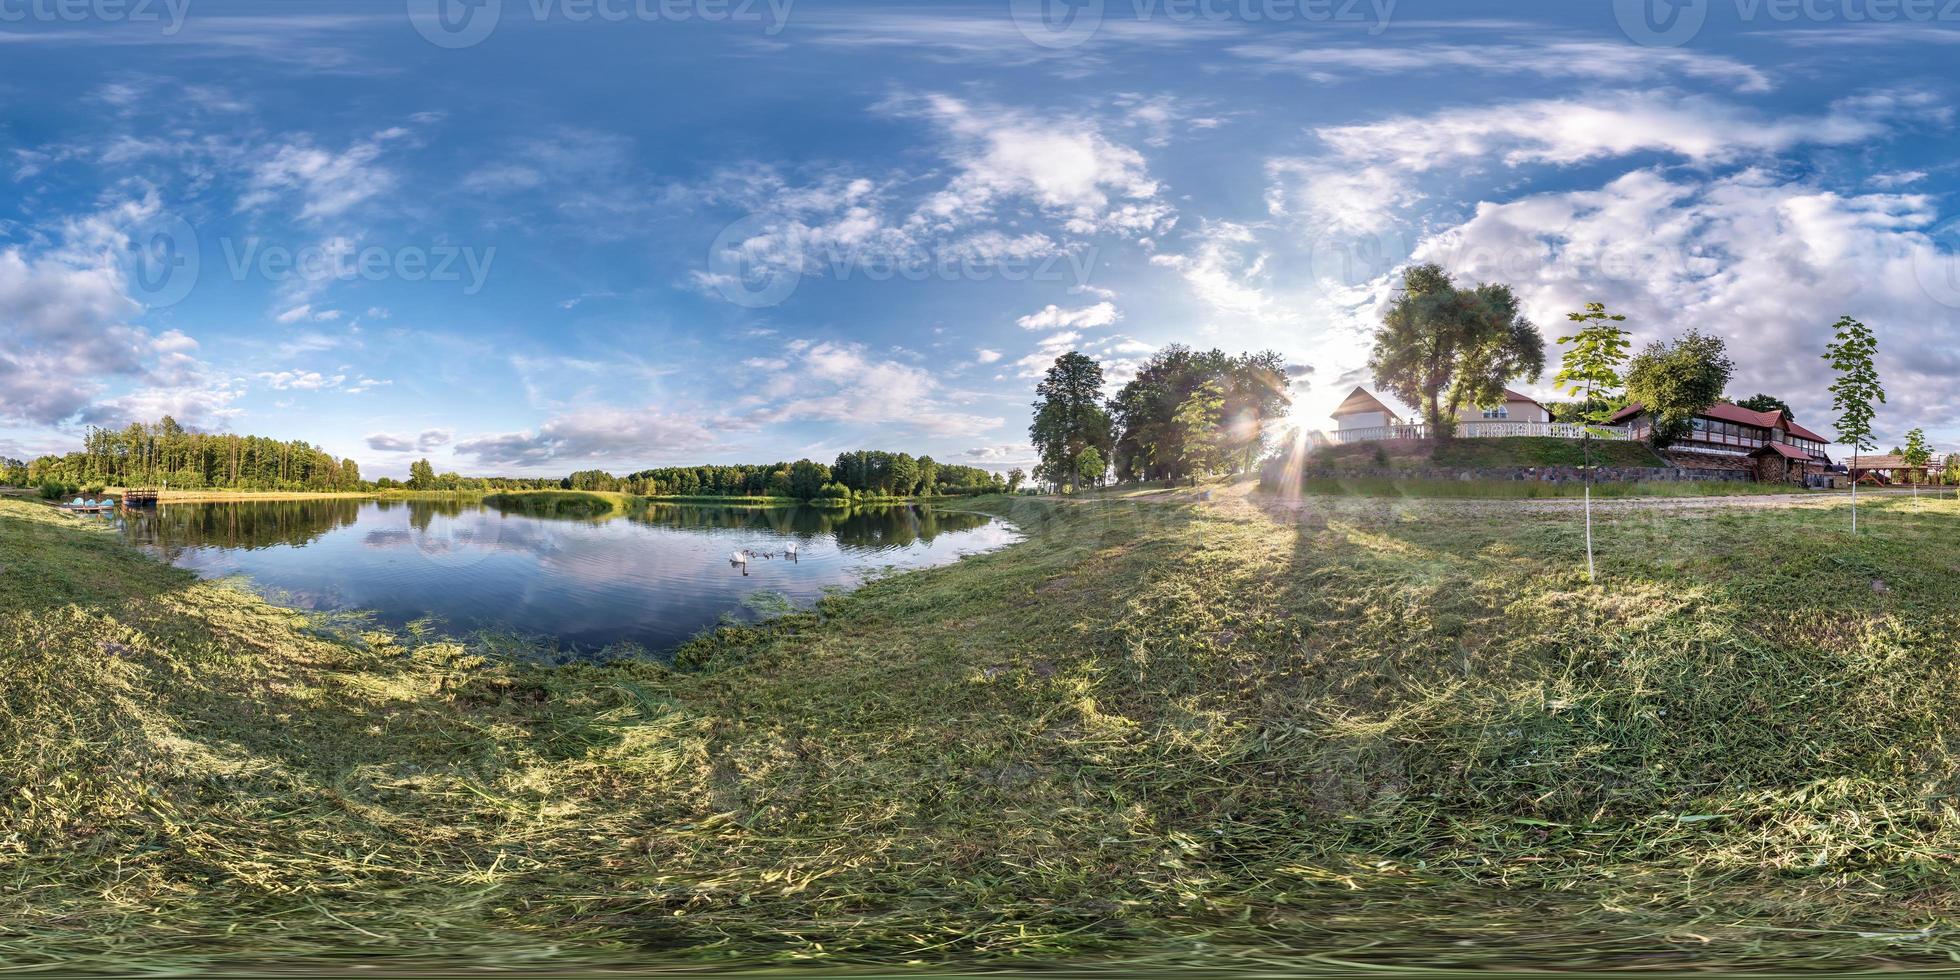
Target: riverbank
(1171, 732)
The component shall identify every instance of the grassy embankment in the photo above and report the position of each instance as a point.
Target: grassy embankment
(1475, 454)
(1373, 731)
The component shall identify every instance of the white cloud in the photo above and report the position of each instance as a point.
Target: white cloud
(1065, 167)
(1570, 131)
(1587, 61)
(300, 380)
(1227, 271)
(835, 382)
(985, 356)
(428, 440)
(66, 340)
(1052, 317)
(620, 438)
(326, 183)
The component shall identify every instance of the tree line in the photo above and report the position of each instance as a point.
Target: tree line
(857, 475)
(164, 452)
(1186, 414)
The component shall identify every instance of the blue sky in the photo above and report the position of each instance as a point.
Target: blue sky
(533, 236)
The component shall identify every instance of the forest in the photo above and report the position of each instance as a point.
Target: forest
(165, 454)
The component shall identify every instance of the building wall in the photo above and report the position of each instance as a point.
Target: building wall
(1362, 420)
(1519, 412)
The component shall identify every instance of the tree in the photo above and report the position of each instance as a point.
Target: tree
(1014, 478)
(1917, 455)
(1148, 444)
(1591, 370)
(1069, 418)
(1767, 403)
(1203, 444)
(1952, 468)
(421, 476)
(928, 475)
(904, 475)
(1090, 466)
(1674, 381)
(1443, 347)
(1854, 355)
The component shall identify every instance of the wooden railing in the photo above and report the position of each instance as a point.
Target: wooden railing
(1479, 430)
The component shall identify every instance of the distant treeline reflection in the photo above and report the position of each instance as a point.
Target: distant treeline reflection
(258, 524)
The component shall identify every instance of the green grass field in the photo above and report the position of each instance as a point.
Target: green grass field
(1342, 733)
(1487, 453)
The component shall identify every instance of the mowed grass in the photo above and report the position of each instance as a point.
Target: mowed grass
(1326, 733)
(1486, 453)
(1369, 486)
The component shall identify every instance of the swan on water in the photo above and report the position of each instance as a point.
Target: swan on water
(738, 557)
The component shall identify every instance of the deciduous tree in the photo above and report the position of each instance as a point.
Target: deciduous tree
(1674, 381)
(1591, 370)
(1442, 347)
(1855, 394)
(1070, 417)
(1200, 418)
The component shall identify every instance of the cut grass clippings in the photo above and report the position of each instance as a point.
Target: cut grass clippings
(1343, 733)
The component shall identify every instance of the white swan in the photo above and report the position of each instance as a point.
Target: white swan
(738, 558)
(792, 549)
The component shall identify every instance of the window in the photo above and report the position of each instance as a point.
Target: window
(1500, 412)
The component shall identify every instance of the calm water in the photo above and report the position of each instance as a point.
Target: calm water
(652, 578)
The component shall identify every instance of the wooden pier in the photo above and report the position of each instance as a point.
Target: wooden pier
(139, 498)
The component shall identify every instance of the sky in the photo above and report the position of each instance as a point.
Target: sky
(535, 236)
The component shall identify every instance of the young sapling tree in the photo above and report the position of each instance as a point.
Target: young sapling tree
(1854, 355)
(1591, 372)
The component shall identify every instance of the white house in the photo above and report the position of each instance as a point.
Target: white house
(1362, 410)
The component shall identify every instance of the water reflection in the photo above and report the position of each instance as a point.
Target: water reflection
(651, 576)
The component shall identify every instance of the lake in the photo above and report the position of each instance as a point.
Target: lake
(653, 577)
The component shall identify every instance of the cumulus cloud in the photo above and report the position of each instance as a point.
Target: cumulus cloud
(836, 382)
(67, 342)
(1053, 317)
(1065, 167)
(613, 436)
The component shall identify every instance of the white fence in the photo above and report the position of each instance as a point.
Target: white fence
(1480, 430)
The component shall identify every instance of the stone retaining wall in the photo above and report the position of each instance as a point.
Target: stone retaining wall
(1543, 474)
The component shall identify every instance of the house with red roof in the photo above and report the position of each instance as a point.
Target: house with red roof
(1730, 436)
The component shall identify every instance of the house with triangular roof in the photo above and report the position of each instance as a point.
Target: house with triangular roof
(1363, 409)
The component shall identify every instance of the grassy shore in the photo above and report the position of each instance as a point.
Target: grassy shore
(1345, 732)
